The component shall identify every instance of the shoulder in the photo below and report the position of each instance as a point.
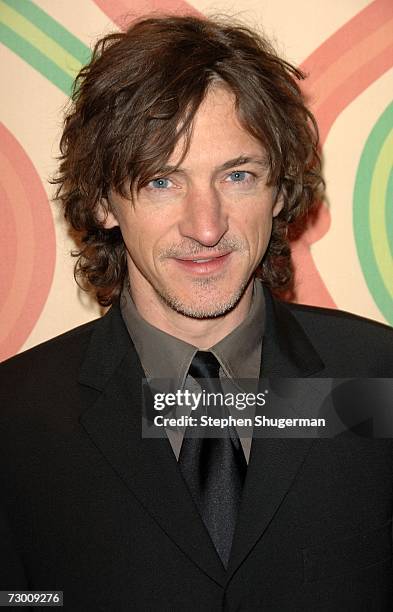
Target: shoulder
(345, 336)
(51, 371)
(43, 387)
(46, 371)
(318, 318)
(53, 351)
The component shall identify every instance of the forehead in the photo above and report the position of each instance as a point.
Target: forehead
(217, 133)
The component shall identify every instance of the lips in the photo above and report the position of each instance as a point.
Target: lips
(203, 265)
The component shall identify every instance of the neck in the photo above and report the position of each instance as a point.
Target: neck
(202, 333)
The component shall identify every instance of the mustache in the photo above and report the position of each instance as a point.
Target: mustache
(187, 248)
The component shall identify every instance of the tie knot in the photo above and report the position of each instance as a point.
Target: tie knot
(204, 365)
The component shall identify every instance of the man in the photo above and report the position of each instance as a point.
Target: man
(187, 153)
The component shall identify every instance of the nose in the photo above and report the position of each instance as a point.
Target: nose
(204, 218)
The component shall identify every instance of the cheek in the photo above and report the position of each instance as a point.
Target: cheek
(137, 232)
(256, 230)
(136, 241)
(148, 238)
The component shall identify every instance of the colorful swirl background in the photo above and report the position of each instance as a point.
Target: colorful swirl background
(347, 52)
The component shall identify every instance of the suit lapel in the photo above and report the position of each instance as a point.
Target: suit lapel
(148, 467)
(274, 463)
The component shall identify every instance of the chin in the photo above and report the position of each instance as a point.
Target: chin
(203, 304)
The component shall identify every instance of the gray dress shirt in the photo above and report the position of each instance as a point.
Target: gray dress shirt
(165, 356)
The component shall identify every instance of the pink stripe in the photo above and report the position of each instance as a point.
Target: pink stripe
(329, 109)
(8, 246)
(370, 58)
(122, 13)
(30, 243)
(340, 69)
(370, 19)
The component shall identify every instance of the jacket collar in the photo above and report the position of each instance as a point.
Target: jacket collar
(148, 467)
(287, 351)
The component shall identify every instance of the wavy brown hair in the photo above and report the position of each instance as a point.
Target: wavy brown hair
(139, 95)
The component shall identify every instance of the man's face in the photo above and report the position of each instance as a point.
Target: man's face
(195, 236)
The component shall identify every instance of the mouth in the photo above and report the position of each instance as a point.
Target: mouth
(199, 264)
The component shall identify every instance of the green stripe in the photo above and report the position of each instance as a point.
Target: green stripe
(378, 205)
(36, 37)
(389, 212)
(52, 28)
(36, 59)
(361, 211)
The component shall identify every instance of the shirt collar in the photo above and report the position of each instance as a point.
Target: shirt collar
(165, 356)
(239, 353)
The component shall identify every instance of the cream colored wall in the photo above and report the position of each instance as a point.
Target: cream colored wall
(31, 109)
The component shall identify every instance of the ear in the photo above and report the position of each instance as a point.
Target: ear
(105, 215)
(278, 205)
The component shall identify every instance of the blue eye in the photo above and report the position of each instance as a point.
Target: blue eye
(159, 183)
(238, 176)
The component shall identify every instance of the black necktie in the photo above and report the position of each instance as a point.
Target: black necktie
(214, 468)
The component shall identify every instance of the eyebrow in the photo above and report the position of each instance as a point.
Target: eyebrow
(231, 163)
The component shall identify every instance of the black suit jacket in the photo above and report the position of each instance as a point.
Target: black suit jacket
(91, 508)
